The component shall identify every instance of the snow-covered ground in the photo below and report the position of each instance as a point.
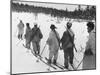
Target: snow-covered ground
(23, 61)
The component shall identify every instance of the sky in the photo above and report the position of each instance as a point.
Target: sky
(69, 7)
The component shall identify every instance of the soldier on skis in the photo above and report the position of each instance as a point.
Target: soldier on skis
(53, 42)
(36, 38)
(89, 61)
(67, 44)
(27, 35)
(20, 30)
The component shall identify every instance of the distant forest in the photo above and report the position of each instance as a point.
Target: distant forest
(88, 14)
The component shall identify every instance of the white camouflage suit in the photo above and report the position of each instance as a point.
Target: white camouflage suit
(89, 61)
(91, 42)
(27, 37)
(20, 29)
(53, 45)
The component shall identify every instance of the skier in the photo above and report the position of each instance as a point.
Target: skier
(89, 61)
(20, 30)
(53, 42)
(67, 44)
(36, 38)
(27, 35)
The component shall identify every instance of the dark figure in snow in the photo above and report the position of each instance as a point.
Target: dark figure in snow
(36, 38)
(67, 44)
(53, 42)
(27, 35)
(20, 30)
(89, 61)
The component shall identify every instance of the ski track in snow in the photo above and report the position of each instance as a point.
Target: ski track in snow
(22, 59)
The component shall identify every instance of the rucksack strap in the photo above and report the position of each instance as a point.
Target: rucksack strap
(71, 39)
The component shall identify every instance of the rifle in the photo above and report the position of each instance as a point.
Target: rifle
(72, 41)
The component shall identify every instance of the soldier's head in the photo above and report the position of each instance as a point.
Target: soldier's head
(20, 21)
(27, 24)
(90, 26)
(35, 25)
(69, 25)
(53, 27)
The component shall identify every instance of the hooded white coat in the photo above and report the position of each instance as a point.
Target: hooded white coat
(20, 28)
(53, 44)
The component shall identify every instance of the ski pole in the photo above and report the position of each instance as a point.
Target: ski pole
(75, 58)
(75, 48)
(80, 63)
(18, 43)
(43, 49)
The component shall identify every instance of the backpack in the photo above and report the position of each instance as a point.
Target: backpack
(35, 32)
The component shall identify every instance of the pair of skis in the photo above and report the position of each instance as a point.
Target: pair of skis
(61, 66)
(57, 64)
(40, 58)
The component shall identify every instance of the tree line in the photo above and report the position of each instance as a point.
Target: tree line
(88, 14)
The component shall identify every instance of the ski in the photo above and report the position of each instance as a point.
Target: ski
(33, 52)
(24, 46)
(55, 64)
(48, 64)
(41, 58)
(60, 66)
(73, 67)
